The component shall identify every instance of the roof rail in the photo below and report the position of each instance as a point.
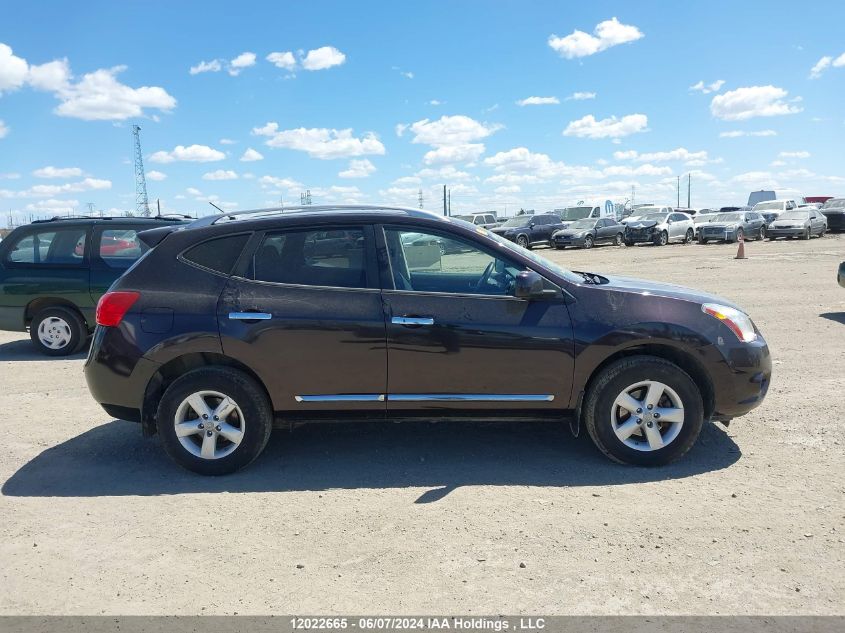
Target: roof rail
(233, 215)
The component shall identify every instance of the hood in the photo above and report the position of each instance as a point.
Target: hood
(643, 286)
(788, 223)
(833, 211)
(719, 225)
(572, 232)
(499, 230)
(641, 224)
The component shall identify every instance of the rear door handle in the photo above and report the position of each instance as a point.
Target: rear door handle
(250, 316)
(404, 320)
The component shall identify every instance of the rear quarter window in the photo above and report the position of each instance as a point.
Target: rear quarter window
(219, 254)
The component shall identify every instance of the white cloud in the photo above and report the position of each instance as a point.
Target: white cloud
(538, 101)
(9, 175)
(448, 173)
(213, 66)
(581, 96)
(777, 163)
(52, 76)
(820, 66)
(358, 169)
(450, 130)
(407, 74)
(193, 191)
(284, 60)
(522, 166)
(506, 189)
(244, 60)
(612, 127)
(191, 153)
(707, 88)
(680, 153)
(606, 34)
(464, 153)
(322, 58)
(155, 175)
(740, 133)
(251, 155)
(220, 174)
(752, 101)
(52, 205)
(4, 129)
(321, 143)
(13, 69)
(57, 172)
(640, 170)
(45, 191)
(799, 154)
(227, 141)
(279, 183)
(436, 102)
(408, 180)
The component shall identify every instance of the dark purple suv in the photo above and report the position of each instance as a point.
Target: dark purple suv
(241, 322)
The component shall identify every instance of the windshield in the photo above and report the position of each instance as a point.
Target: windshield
(520, 220)
(648, 217)
(834, 203)
(773, 204)
(575, 213)
(465, 218)
(794, 215)
(728, 217)
(583, 224)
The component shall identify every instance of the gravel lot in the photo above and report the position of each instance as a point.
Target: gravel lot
(458, 518)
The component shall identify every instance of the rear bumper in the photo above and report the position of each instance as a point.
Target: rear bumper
(835, 221)
(742, 380)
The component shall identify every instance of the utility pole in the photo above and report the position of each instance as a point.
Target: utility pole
(142, 203)
(450, 202)
(689, 186)
(632, 196)
(444, 200)
(420, 198)
(158, 206)
(679, 191)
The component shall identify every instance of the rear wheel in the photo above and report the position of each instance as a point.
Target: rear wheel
(214, 420)
(58, 331)
(643, 410)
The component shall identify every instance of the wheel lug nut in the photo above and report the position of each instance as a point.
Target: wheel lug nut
(649, 424)
(639, 420)
(201, 425)
(651, 406)
(639, 410)
(216, 418)
(218, 428)
(204, 416)
(209, 433)
(656, 416)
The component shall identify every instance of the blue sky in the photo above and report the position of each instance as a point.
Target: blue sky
(510, 104)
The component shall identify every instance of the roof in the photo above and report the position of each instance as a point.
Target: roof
(312, 210)
(107, 220)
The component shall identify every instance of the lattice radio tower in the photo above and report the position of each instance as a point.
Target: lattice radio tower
(142, 203)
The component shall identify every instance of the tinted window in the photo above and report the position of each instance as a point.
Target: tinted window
(63, 246)
(119, 248)
(432, 263)
(312, 258)
(219, 254)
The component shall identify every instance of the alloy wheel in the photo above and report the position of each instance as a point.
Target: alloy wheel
(647, 415)
(522, 241)
(209, 424)
(54, 333)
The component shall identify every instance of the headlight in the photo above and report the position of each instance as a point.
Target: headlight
(738, 322)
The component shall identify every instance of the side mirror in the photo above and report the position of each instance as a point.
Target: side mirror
(529, 285)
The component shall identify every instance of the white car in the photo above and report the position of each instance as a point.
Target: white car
(640, 212)
(660, 228)
(778, 206)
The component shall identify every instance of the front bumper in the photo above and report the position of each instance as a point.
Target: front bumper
(728, 235)
(641, 237)
(835, 221)
(567, 240)
(742, 379)
(773, 232)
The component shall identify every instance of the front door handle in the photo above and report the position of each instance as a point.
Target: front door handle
(250, 316)
(404, 320)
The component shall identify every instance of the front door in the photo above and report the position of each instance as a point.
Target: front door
(457, 337)
(306, 315)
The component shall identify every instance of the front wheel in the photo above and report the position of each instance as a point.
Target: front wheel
(617, 241)
(689, 236)
(58, 331)
(762, 232)
(662, 239)
(522, 241)
(629, 243)
(588, 241)
(643, 410)
(806, 235)
(702, 239)
(214, 420)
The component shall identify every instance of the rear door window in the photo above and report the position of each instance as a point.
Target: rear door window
(50, 247)
(330, 258)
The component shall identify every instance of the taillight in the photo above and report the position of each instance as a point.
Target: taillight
(113, 306)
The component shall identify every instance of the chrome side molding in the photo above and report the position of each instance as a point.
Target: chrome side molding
(426, 397)
(250, 316)
(342, 397)
(401, 320)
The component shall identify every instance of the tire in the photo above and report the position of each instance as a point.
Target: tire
(617, 241)
(628, 243)
(588, 241)
(560, 248)
(252, 416)
(807, 234)
(688, 238)
(522, 241)
(762, 233)
(58, 331)
(604, 418)
(662, 239)
(702, 239)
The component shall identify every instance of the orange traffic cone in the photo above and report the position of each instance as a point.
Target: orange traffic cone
(740, 252)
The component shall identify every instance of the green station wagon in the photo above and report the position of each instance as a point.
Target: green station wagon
(53, 272)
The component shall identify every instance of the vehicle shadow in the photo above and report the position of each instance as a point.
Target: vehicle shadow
(24, 349)
(113, 460)
(839, 317)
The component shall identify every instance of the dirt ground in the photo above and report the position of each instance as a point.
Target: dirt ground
(451, 518)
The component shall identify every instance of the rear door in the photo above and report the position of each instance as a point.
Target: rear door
(304, 312)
